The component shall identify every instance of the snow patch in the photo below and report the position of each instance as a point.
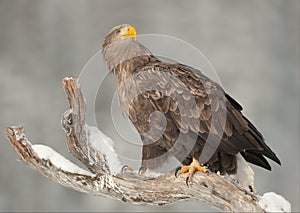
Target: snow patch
(104, 145)
(272, 202)
(47, 153)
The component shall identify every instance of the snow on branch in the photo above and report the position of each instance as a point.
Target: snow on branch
(95, 151)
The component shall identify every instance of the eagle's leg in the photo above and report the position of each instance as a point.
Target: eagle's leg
(190, 169)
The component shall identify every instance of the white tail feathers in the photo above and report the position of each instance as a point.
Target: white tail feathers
(245, 174)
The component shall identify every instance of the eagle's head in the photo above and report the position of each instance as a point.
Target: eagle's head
(120, 47)
(124, 31)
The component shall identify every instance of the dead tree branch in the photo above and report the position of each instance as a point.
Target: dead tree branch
(208, 188)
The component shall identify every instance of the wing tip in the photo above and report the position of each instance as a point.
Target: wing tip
(254, 157)
(276, 159)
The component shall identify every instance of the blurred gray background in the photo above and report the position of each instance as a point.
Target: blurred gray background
(253, 45)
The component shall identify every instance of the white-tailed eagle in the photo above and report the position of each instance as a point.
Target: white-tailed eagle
(177, 110)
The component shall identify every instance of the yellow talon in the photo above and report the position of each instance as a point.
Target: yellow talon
(191, 169)
(201, 168)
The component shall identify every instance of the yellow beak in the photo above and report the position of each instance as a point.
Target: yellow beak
(129, 32)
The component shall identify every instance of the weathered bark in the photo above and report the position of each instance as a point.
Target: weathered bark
(208, 188)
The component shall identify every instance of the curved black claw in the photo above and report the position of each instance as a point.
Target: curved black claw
(188, 181)
(176, 171)
(142, 170)
(124, 168)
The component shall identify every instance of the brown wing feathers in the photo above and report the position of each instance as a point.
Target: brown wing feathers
(211, 102)
(254, 154)
(208, 111)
